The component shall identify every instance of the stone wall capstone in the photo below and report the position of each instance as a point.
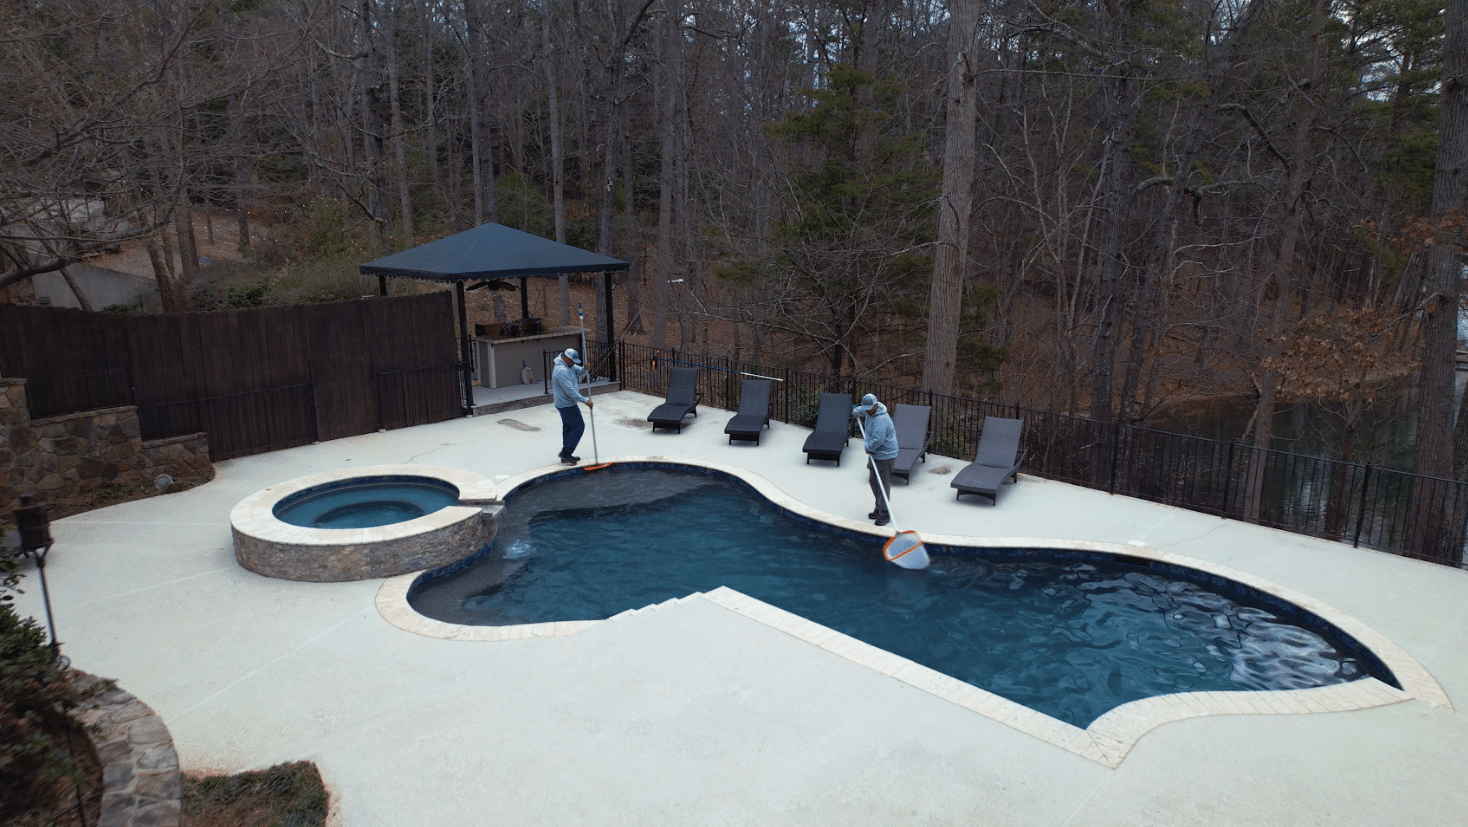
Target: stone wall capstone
(141, 784)
(63, 455)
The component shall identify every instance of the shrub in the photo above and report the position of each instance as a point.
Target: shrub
(37, 695)
(286, 795)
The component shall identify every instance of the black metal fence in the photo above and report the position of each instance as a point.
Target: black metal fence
(600, 361)
(1393, 511)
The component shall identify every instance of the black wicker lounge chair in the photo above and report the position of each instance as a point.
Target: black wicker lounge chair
(911, 422)
(754, 411)
(682, 400)
(995, 461)
(833, 429)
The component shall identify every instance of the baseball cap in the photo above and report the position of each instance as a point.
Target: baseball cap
(571, 352)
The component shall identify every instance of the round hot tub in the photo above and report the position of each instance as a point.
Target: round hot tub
(366, 502)
(364, 523)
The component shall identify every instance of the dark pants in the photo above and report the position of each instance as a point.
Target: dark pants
(884, 468)
(572, 427)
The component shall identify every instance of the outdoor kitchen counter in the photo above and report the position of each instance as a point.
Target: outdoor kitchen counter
(500, 358)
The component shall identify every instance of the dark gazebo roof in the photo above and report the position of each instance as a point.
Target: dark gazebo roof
(491, 251)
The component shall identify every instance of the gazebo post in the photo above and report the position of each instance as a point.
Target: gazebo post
(524, 298)
(611, 325)
(381, 285)
(464, 354)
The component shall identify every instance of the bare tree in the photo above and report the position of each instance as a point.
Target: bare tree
(955, 204)
(1433, 536)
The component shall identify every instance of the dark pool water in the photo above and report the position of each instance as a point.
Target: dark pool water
(366, 502)
(1072, 638)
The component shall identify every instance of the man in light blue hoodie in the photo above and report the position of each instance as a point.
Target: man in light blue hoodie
(565, 394)
(881, 443)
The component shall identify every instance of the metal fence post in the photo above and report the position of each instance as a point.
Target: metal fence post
(1361, 512)
(1228, 479)
(1115, 448)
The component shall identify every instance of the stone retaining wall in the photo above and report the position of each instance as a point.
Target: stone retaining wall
(63, 455)
(141, 785)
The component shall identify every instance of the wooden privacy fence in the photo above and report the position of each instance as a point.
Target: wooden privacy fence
(253, 380)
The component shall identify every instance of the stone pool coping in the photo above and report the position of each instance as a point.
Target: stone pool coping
(1106, 741)
(267, 545)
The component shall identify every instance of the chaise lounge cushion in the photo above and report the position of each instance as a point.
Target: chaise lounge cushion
(833, 429)
(996, 460)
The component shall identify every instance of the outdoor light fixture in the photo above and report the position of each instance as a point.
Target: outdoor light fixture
(34, 525)
(35, 540)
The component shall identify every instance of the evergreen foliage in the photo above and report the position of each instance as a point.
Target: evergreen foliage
(36, 699)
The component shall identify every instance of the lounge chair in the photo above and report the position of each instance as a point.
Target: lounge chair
(833, 429)
(682, 400)
(911, 422)
(754, 411)
(997, 460)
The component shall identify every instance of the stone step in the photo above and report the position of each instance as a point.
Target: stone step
(652, 607)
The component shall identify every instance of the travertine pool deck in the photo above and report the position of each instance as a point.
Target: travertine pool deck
(700, 711)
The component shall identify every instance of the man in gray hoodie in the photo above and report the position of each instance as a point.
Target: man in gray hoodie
(881, 444)
(566, 394)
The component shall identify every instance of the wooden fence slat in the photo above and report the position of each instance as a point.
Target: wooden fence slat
(254, 380)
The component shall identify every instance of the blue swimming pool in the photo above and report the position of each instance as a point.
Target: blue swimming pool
(365, 502)
(1070, 634)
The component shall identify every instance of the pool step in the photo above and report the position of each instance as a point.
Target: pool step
(652, 607)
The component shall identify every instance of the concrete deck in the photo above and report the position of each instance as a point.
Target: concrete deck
(696, 714)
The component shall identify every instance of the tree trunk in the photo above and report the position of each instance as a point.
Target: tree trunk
(1437, 532)
(399, 140)
(188, 249)
(1282, 272)
(168, 292)
(1118, 195)
(76, 290)
(241, 173)
(670, 74)
(955, 204)
(372, 121)
(629, 230)
(430, 110)
(558, 160)
(484, 197)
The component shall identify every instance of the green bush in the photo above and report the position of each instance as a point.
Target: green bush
(286, 795)
(36, 699)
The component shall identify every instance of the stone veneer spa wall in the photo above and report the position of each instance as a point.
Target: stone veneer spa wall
(267, 545)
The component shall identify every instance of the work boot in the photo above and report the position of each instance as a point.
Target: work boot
(565, 460)
(874, 515)
(883, 519)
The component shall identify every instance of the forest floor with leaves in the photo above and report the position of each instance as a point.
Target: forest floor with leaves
(112, 493)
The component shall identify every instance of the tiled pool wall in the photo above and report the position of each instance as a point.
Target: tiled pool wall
(433, 575)
(267, 545)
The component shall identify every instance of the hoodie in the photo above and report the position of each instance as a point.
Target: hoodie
(881, 434)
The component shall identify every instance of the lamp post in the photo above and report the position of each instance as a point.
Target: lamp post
(34, 525)
(35, 540)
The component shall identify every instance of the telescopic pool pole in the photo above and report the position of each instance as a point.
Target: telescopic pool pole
(581, 318)
(906, 547)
